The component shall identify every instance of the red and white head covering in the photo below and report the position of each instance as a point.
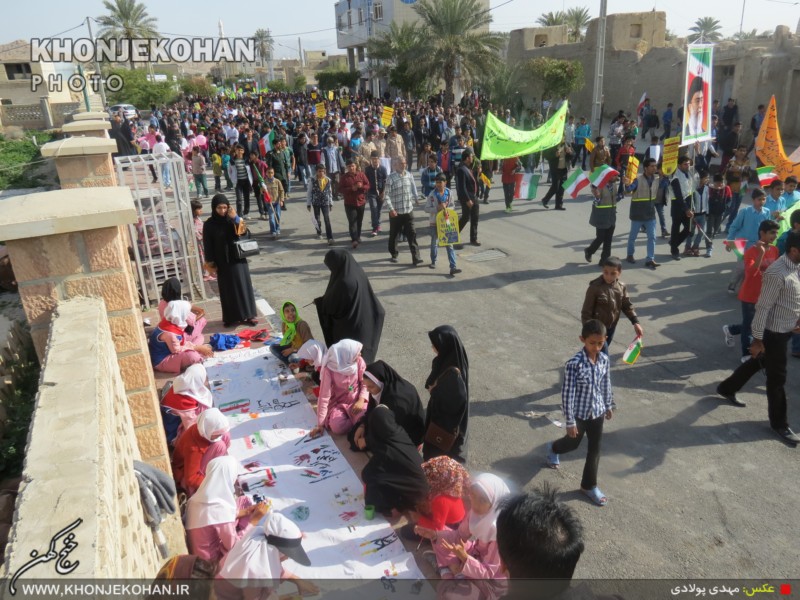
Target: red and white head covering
(192, 383)
(214, 501)
(177, 312)
(312, 351)
(212, 424)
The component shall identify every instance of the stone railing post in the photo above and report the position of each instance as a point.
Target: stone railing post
(87, 128)
(47, 114)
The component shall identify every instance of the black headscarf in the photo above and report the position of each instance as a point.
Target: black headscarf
(171, 290)
(451, 353)
(218, 234)
(349, 308)
(402, 399)
(393, 478)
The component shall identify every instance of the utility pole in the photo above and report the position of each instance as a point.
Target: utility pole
(97, 65)
(597, 93)
(271, 45)
(223, 64)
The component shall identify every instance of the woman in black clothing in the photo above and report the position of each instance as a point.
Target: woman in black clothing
(349, 309)
(393, 478)
(387, 387)
(448, 383)
(220, 231)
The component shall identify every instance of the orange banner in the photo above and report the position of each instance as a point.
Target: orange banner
(769, 146)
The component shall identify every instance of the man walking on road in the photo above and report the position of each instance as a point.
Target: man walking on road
(643, 211)
(467, 192)
(777, 317)
(401, 192)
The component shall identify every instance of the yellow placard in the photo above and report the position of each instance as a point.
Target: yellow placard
(386, 117)
(330, 95)
(447, 230)
(344, 102)
(633, 168)
(670, 160)
(589, 144)
(313, 95)
(321, 110)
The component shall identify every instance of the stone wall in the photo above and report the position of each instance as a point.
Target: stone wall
(79, 460)
(31, 116)
(749, 71)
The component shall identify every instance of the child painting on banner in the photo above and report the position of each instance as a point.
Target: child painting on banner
(441, 208)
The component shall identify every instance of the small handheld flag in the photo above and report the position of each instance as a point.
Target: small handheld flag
(738, 247)
(589, 144)
(525, 185)
(633, 352)
(766, 175)
(602, 175)
(575, 183)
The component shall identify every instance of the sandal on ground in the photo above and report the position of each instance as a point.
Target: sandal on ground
(252, 322)
(595, 495)
(552, 458)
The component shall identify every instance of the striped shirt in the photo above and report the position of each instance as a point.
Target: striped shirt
(586, 390)
(401, 192)
(778, 306)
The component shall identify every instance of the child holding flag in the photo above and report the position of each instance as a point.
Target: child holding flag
(607, 298)
(604, 211)
(586, 401)
(440, 199)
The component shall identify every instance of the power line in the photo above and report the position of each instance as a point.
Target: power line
(22, 45)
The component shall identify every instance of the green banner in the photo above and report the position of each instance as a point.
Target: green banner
(502, 141)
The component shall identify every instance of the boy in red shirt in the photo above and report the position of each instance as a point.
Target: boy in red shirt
(510, 168)
(756, 260)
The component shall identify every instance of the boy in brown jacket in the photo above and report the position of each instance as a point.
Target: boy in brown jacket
(606, 298)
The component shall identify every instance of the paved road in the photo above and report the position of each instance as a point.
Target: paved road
(696, 487)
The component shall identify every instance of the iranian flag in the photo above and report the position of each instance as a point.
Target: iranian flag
(633, 352)
(639, 108)
(766, 175)
(575, 183)
(525, 185)
(602, 175)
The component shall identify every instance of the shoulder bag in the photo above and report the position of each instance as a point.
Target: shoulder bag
(244, 246)
(438, 436)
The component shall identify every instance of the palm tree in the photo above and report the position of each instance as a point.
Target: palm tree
(504, 83)
(457, 40)
(576, 20)
(396, 50)
(264, 46)
(551, 19)
(745, 35)
(707, 29)
(126, 20)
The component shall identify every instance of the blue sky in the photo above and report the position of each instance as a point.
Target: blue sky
(43, 18)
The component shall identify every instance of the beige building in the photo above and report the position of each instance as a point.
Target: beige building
(639, 59)
(359, 20)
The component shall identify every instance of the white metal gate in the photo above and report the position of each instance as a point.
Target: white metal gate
(163, 239)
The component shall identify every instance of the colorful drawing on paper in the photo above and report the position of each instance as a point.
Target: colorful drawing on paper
(237, 406)
(301, 513)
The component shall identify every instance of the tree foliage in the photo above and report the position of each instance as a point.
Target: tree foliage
(395, 50)
(140, 92)
(126, 20)
(707, 28)
(504, 83)
(199, 87)
(300, 83)
(556, 77)
(552, 18)
(576, 20)
(277, 85)
(264, 44)
(333, 80)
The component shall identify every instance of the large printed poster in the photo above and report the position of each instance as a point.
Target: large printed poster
(697, 97)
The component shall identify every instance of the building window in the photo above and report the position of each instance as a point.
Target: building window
(540, 40)
(360, 16)
(18, 71)
(339, 24)
(349, 19)
(377, 8)
(636, 30)
(726, 70)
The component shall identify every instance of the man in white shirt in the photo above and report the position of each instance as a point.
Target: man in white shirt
(161, 148)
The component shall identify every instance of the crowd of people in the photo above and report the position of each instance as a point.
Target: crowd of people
(264, 145)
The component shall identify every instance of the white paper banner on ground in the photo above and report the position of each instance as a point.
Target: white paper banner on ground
(308, 480)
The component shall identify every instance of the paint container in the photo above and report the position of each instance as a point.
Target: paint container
(369, 512)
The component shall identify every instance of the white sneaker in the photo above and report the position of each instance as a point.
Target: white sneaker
(729, 341)
(745, 358)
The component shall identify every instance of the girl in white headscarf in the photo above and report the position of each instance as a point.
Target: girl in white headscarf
(252, 569)
(313, 352)
(170, 351)
(343, 397)
(186, 399)
(204, 441)
(471, 551)
(214, 515)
